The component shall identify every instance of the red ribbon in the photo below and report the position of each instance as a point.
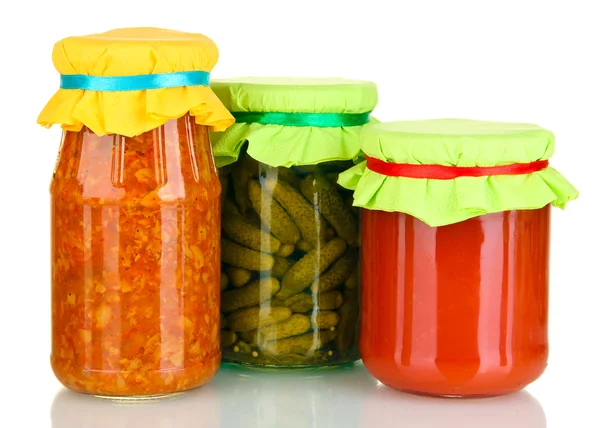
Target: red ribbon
(442, 172)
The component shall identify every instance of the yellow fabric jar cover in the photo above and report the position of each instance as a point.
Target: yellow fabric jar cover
(134, 52)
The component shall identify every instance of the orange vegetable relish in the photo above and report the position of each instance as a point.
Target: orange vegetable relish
(135, 261)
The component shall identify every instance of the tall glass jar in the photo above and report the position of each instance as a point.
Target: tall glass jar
(135, 261)
(291, 238)
(135, 233)
(455, 255)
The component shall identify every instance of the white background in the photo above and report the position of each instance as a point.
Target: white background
(528, 61)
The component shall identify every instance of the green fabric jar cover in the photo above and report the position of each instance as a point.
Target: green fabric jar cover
(456, 143)
(293, 121)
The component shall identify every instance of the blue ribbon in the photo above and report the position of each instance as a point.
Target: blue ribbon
(134, 83)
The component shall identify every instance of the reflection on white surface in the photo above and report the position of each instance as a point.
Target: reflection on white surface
(344, 397)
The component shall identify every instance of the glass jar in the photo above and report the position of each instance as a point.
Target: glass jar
(291, 238)
(135, 261)
(290, 256)
(135, 229)
(455, 254)
(460, 309)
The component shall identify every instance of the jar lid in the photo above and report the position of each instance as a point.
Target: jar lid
(131, 80)
(448, 170)
(290, 121)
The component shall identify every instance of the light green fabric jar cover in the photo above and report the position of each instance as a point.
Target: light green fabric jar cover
(456, 142)
(284, 145)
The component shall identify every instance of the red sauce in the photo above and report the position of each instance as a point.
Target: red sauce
(457, 310)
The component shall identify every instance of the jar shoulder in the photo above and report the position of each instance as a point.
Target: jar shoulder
(173, 163)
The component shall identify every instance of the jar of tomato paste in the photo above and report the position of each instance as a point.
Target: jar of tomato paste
(455, 249)
(135, 213)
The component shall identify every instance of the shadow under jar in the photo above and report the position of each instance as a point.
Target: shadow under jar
(135, 261)
(290, 255)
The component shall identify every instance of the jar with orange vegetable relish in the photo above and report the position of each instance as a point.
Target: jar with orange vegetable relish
(135, 214)
(455, 254)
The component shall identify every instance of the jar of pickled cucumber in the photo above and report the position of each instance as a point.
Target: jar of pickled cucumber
(135, 213)
(290, 236)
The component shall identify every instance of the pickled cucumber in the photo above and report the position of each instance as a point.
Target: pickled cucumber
(293, 326)
(242, 232)
(309, 221)
(348, 325)
(236, 255)
(303, 302)
(330, 204)
(240, 176)
(303, 273)
(228, 338)
(224, 281)
(272, 215)
(329, 300)
(337, 273)
(303, 344)
(353, 280)
(304, 246)
(249, 295)
(252, 318)
(324, 320)
(242, 347)
(285, 250)
(223, 322)
(238, 277)
(280, 267)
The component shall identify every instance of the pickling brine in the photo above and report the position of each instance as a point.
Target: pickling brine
(135, 251)
(290, 255)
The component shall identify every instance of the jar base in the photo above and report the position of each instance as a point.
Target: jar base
(123, 399)
(287, 367)
(454, 396)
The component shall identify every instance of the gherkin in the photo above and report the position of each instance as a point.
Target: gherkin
(325, 320)
(272, 215)
(348, 325)
(228, 338)
(293, 326)
(244, 233)
(254, 317)
(309, 221)
(330, 204)
(236, 255)
(238, 277)
(337, 273)
(249, 295)
(302, 344)
(303, 273)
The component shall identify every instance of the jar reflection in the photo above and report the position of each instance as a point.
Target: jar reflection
(197, 408)
(343, 397)
(295, 398)
(387, 407)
